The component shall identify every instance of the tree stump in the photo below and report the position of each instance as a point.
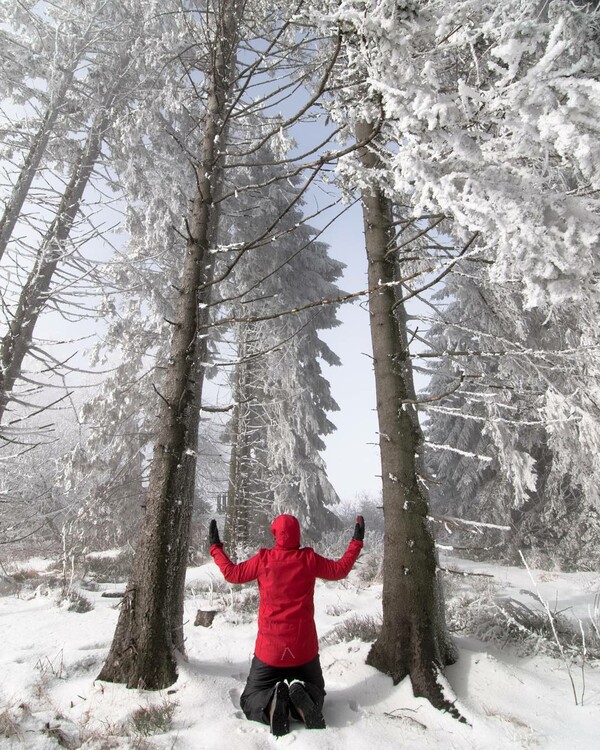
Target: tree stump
(205, 617)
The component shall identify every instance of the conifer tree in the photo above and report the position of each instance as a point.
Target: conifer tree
(54, 192)
(413, 640)
(281, 397)
(151, 618)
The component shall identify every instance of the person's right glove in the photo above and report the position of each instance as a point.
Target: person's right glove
(213, 533)
(359, 529)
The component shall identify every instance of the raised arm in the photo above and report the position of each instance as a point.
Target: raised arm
(240, 573)
(334, 570)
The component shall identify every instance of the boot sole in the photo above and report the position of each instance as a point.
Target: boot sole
(313, 718)
(280, 720)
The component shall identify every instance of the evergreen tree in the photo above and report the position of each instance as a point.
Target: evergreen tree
(152, 615)
(413, 640)
(489, 118)
(281, 397)
(515, 363)
(90, 79)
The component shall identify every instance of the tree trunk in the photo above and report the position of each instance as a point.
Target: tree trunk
(185, 492)
(237, 514)
(34, 295)
(151, 618)
(250, 495)
(413, 639)
(233, 510)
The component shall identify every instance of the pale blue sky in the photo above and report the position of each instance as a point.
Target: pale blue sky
(352, 454)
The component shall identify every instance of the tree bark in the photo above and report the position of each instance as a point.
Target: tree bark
(185, 492)
(413, 639)
(237, 516)
(250, 496)
(150, 624)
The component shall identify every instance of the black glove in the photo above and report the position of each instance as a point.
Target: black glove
(359, 529)
(213, 533)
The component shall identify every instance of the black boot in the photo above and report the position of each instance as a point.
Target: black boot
(279, 710)
(309, 712)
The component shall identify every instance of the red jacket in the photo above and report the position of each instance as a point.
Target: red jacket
(286, 582)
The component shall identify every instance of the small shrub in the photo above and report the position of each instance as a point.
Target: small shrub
(247, 602)
(54, 667)
(370, 568)
(332, 544)
(9, 725)
(140, 743)
(474, 608)
(534, 631)
(113, 569)
(240, 606)
(25, 582)
(471, 607)
(26, 575)
(147, 720)
(89, 585)
(8, 586)
(41, 686)
(356, 627)
(62, 738)
(45, 586)
(336, 610)
(216, 589)
(78, 602)
(108, 736)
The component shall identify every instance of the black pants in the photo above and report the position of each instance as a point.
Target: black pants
(262, 680)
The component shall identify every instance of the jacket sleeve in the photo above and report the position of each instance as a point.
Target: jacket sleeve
(240, 573)
(334, 570)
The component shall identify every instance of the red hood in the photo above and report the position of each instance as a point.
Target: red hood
(286, 531)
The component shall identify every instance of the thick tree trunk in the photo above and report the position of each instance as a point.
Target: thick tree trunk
(142, 651)
(150, 622)
(34, 295)
(413, 639)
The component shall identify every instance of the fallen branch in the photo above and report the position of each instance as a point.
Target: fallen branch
(393, 715)
(465, 573)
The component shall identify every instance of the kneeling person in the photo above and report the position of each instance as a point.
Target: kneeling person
(285, 674)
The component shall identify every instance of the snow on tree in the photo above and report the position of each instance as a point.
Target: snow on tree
(138, 300)
(500, 136)
(218, 81)
(494, 108)
(281, 397)
(50, 223)
(514, 363)
(413, 640)
(489, 118)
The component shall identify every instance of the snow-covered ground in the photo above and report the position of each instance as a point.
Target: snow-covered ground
(49, 658)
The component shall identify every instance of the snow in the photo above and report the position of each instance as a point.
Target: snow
(50, 658)
(108, 554)
(34, 563)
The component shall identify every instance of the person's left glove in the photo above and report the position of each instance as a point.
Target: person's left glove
(359, 529)
(213, 533)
